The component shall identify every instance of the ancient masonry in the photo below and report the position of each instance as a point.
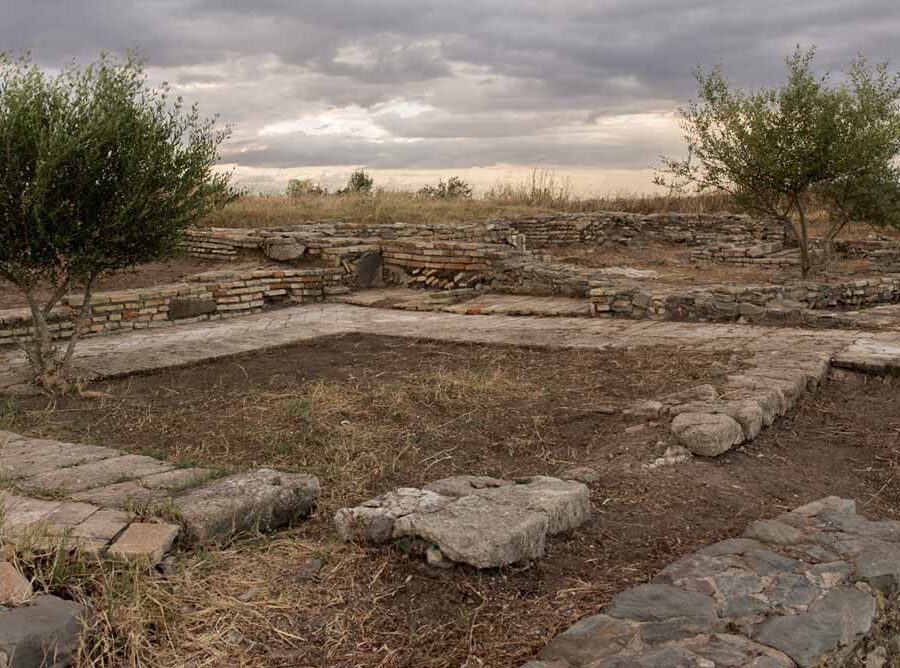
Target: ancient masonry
(816, 587)
(320, 261)
(91, 497)
(206, 296)
(105, 488)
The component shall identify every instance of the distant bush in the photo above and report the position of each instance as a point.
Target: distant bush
(454, 188)
(302, 187)
(359, 182)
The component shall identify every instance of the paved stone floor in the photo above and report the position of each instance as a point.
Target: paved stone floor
(91, 494)
(468, 302)
(146, 350)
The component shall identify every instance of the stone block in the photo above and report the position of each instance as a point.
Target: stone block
(256, 500)
(707, 434)
(186, 307)
(475, 531)
(96, 474)
(144, 542)
(29, 457)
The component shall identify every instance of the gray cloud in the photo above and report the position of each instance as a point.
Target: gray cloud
(493, 81)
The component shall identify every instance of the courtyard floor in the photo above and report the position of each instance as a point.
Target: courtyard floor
(369, 399)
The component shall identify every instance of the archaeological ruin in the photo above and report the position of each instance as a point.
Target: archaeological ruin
(817, 584)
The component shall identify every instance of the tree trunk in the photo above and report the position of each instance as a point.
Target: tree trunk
(41, 350)
(83, 313)
(804, 240)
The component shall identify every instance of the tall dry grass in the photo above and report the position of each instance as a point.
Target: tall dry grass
(544, 192)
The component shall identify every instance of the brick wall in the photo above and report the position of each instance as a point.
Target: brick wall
(208, 296)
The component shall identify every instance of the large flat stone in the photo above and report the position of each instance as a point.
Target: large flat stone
(30, 457)
(660, 602)
(98, 530)
(567, 503)
(21, 512)
(832, 622)
(128, 495)
(96, 474)
(475, 531)
(42, 634)
(257, 500)
(869, 356)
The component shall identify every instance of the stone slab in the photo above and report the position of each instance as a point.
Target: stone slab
(256, 500)
(129, 495)
(144, 542)
(475, 531)
(30, 457)
(96, 474)
(97, 531)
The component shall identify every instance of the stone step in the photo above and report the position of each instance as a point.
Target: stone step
(869, 356)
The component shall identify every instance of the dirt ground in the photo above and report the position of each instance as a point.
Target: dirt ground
(673, 264)
(142, 276)
(367, 414)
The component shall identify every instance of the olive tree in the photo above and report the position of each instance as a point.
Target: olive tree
(99, 171)
(780, 151)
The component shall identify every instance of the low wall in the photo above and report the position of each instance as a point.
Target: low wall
(458, 264)
(598, 227)
(207, 296)
(767, 253)
(304, 242)
(816, 587)
(752, 303)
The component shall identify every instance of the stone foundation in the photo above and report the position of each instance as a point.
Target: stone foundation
(807, 303)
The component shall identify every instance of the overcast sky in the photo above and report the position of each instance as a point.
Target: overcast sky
(415, 89)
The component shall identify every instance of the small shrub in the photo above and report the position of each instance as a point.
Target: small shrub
(358, 183)
(297, 188)
(454, 188)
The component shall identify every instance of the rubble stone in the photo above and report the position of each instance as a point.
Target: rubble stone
(477, 520)
(707, 434)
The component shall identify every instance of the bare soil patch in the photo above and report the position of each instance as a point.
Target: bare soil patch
(368, 413)
(674, 265)
(142, 276)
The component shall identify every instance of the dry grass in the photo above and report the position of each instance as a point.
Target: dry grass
(396, 414)
(545, 192)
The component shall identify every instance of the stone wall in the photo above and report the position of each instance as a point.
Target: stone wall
(765, 253)
(208, 296)
(691, 229)
(752, 303)
(816, 587)
(305, 242)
